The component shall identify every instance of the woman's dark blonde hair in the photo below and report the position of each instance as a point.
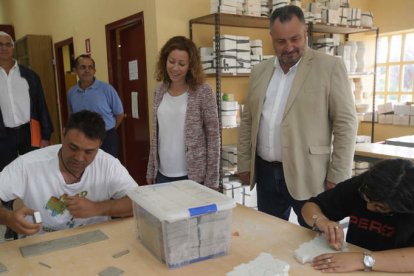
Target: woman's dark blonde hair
(195, 76)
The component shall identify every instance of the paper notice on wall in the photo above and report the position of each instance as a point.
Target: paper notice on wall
(134, 103)
(133, 69)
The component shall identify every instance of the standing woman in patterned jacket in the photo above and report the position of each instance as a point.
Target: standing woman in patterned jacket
(185, 141)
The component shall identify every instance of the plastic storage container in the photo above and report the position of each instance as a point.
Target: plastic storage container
(182, 222)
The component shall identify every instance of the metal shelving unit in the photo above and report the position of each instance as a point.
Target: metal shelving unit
(346, 31)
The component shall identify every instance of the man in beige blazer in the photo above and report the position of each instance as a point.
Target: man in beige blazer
(299, 124)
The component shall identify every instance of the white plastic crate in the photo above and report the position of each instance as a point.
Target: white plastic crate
(182, 222)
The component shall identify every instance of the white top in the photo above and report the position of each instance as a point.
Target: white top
(36, 179)
(171, 124)
(14, 97)
(269, 145)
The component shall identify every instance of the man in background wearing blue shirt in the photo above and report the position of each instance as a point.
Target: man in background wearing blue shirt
(100, 97)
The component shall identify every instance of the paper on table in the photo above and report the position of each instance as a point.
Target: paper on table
(263, 265)
(311, 249)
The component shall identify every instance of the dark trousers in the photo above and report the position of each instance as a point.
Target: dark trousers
(273, 196)
(17, 142)
(111, 144)
(164, 179)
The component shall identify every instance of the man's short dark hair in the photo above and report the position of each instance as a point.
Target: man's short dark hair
(88, 122)
(286, 13)
(83, 56)
(391, 181)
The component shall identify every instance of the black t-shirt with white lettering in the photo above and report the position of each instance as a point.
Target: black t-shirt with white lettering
(373, 231)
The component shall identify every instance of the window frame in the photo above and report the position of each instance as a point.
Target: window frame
(387, 64)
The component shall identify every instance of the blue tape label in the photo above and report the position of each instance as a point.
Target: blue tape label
(201, 210)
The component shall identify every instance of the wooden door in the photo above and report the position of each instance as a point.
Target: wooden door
(65, 58)
(129, 77)
(35, 52)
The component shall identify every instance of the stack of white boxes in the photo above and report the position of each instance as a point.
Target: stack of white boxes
(252, 7)
(354, 17)
(188, 222)
(297, 3)
(360, 166)
(229, 158)
(227, 6)
(233, 188)
(402, 114)
(208, 60)
(240, 193)
(240, 8)
(367, 19)
(330, 16)
(243, 54)
(229, 110)
(367, 117)
(279, 3)
(396, 114)
(249, 197)
(344, 51)
(238, 55)
(228, 53)
(386, 113)
(308, 16)
(325, 45)
(337, 12)
(264, 8)
(256, 51)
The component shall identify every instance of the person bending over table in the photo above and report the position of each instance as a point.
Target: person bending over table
(380, 207)
(71, 185)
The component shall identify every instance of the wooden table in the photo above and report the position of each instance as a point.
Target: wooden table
(256, 233)
(374, 152)
(403, 141)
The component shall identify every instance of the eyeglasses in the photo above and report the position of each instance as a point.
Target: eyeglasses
(6, 45)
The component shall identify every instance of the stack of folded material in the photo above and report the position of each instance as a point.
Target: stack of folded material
(227, 6)
(243, 54)
(252, 7)
(264, 264)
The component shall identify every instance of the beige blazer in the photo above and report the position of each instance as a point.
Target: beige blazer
(318, 127)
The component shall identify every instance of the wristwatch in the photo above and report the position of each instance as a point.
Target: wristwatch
(368, 261)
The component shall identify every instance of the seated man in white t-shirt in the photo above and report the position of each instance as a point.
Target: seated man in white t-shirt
(71, 185)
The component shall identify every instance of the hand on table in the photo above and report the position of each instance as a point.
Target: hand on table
(332, 231)
(338, 262)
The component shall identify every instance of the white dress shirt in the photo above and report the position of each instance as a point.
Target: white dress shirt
(269, 145)
(14, 97)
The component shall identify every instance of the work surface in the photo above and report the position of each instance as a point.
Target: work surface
(403, 141)
(378, 151)
(252, 233)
